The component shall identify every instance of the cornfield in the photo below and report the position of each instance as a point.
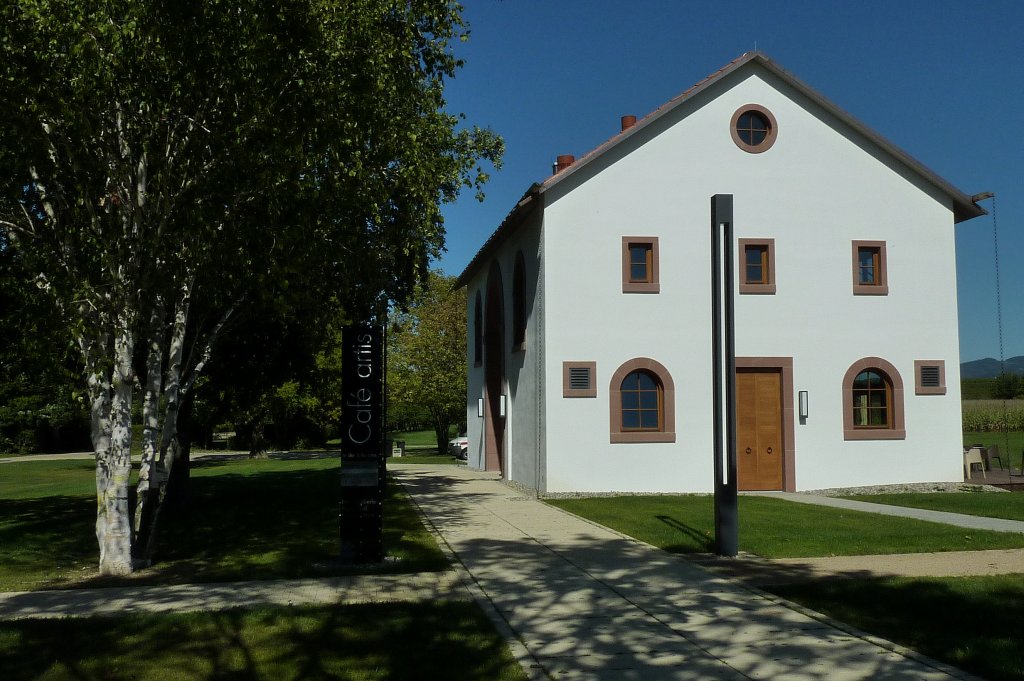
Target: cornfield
(983, 416)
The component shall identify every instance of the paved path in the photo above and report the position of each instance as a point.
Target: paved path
(970, 521)
(759, 571)
(424, 586)
(578, 600)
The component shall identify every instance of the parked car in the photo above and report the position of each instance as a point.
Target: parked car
(459, 447)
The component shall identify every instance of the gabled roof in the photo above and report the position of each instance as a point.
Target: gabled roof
(964, 206)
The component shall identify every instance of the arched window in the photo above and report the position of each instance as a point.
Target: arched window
(873, 401)
(478, 331)
(642, 399)
(642, 403)
(519, 303)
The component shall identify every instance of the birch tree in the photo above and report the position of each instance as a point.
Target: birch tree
(167, 162)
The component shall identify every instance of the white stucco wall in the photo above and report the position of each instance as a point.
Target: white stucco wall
(475, 377)
(813, 192)
(522, 368)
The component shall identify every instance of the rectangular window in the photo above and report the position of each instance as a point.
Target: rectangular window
(929, 377)
(579, 379)
(640, 264)
(869, 268)
(757, 264)
(757, 267)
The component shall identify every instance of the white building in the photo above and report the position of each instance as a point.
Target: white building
(590, 346)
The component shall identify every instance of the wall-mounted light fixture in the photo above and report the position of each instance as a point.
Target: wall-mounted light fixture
(803, 404)
(501, 407)
(480, 408)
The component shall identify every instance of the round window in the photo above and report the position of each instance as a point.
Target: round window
(753, 128)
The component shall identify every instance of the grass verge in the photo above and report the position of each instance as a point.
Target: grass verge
(245, 520)
(1007, 506)
(775, 528)
(431, 457)
(974, 623)
(406, 641)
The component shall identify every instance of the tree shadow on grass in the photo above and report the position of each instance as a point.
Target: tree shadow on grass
(46, 541)
(698, 540)
(974, 623)
(394, 641)
(262, 525)
(280, 524)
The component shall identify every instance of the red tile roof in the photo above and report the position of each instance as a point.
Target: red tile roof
(964, 207)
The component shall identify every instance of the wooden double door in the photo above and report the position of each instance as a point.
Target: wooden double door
(759, 441)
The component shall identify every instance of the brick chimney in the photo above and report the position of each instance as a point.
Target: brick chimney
(563, 162)
(628, 122)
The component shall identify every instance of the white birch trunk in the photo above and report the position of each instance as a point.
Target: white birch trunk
(172, 392)
(150, 476)
(98, 382)
(168, 451)
(114, 470)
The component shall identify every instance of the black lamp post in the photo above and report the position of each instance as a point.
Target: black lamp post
(723, 343)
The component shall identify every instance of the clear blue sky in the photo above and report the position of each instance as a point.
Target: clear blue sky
(942, 80)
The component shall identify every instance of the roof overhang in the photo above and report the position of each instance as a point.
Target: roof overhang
(527, 204)
(964, 207)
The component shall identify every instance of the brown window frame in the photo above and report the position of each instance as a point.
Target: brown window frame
(568, 390)
(667, 421)
(896, 428)
(651, 284)
(767, 285)
(880, 286)
(919, 387)
(770, 137)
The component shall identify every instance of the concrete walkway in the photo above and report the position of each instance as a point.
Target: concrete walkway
(424, 586)
(580, 601)
(969, 521)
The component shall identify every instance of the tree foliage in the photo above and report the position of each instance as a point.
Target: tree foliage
(1007, 386)
(427, 356)
(40, 411)
(168, 164)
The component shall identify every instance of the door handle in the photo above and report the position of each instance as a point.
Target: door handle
(748, 450)
(769, 450)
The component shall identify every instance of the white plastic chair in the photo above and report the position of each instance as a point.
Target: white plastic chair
(973, 456)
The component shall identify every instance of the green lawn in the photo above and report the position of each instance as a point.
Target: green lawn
(418, 641)
(416, 457)
(775, 528)
(1008, 506)
(417, 439)
(247, 519)
(974, 623)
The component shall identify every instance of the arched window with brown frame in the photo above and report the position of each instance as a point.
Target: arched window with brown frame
(642, 403)
(873, 401)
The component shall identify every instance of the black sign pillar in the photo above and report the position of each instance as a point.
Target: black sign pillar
(723, 341)
(362, 444)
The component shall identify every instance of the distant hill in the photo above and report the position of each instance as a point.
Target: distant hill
(989, 368)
